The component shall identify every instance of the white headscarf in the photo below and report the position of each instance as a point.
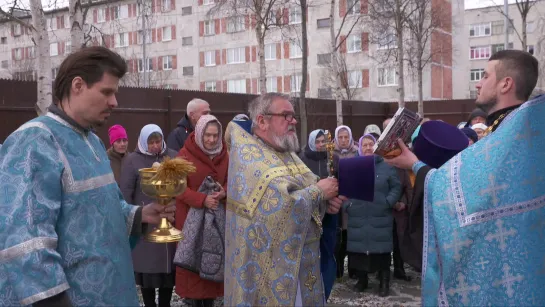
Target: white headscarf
(351, 141)
(479, 126)
(312, 139)
(143, 138)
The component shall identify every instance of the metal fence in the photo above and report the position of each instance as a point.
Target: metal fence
(141, 106)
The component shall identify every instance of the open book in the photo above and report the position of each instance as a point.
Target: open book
(402, 126)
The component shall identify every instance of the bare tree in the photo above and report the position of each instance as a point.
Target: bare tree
(524, 7)
(77, 21)
(389, 21)
(350, 86)
(304, 72)
(337, 41)
(425, 21)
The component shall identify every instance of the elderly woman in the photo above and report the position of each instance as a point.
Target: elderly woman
(207, 151)
(370, 224)
(314, 154)
(152, 261)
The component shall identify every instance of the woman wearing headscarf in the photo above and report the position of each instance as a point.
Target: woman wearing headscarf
(207, 151)
(152, 261)
(370, 223)
(344, 148)
(315, 157)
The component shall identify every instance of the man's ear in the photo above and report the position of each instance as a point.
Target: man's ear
(261, 122)
(77, 85)
(507, 84)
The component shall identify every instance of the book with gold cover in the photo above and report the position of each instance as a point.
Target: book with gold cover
(402, 126)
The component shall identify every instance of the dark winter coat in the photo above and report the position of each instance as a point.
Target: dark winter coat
(116, 161)
(370, 223)
(177, 137)
(147, 257)
(316, 161)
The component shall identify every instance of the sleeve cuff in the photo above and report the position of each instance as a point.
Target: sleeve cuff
(417, 166)
(136, 229)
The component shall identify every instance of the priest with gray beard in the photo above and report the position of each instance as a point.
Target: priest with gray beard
(275, 205)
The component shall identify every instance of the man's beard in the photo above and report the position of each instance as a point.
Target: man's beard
(487, 105)
(287, 143)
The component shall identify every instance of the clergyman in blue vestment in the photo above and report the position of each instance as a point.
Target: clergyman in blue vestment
(64, 226)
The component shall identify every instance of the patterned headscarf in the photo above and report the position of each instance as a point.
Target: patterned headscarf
(202, 123)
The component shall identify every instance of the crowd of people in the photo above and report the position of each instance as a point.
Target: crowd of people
(74, 213)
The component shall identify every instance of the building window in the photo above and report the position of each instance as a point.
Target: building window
(18, 54)
(101, 15)
(121, 40)
(210, 86)
(32, 51)
(187, 71)
(295, 51)
(387, 76)
(235, 24)
(272, 20)
(3, 40)
(354, 79)
(187, 41)
(530, 26)
(324, 59)
(166, 6)
(500, 47)
(167, 62)
(17, 30)
(476, 74)
(479, 29)
(325, 93)
(272, 85)
(295, 15)
(141, 65)
(530, 49)
(208, 2)
(210, 58)
(209, 27)
(354, 43)
(120, 12)
(296, 82)
(67, 24)
(188, 10)
(4, 64)
(388, 41)
(479, 53)
(52, 23)
(323, 23)
(236, 86)
(236, 55)
(497, 27)
(140, 37)
(68, 47)
(167, 33)
(352, 7)
(270, 52)
(54, 49)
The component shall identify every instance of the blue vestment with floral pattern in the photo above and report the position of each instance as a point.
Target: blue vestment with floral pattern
(64, 225)
(484, 219)
(272, 242)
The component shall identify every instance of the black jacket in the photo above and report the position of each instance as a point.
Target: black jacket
(316, 161)
(177, 137)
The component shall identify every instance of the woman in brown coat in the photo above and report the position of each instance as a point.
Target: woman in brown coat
(206, 149)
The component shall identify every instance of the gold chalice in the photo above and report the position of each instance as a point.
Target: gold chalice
(163, 192)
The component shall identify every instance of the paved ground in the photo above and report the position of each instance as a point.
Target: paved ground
(402, 293)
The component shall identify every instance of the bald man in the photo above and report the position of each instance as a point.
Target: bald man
(195, 109)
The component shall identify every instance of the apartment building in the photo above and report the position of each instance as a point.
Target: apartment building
(486, 32)
(198, 45)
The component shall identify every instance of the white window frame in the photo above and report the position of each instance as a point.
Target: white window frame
(389, 40)
(18, 54)
(236, 55)
(32, 52)
(530, 26)
(481, 52)
(236, 86)
(140, 37)
(167, 30)
(272, 84)
(121, 40)
(120, 12)
(235, 24)
(387, 76)
(67, 24)
(476, 75)
(295, 15)
(140, 63)
(210, 58)
(270, 52)
(353, 8)
(209, 27)
(295, 50)
(210, 86)
(353, 43)
(355, 79)
(479, 29)
(101, 15)
(52, 23)
(17, 30)
(67, 47)
(53, 49)
(295, 83)
(208, 2)
(166, 5)
(272, 20)
(167, 62)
